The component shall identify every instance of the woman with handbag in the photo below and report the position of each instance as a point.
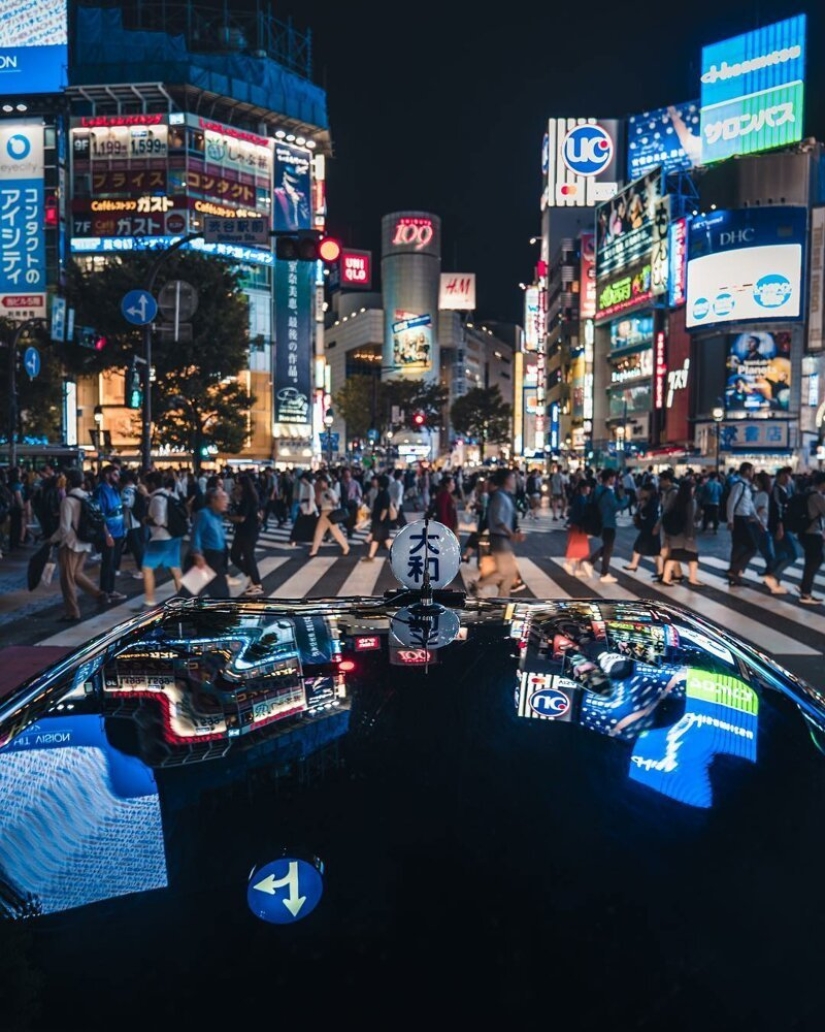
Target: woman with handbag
(303, 525)
(326, 501)
(246, 517)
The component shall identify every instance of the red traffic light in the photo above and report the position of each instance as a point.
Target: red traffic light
(418, 419)
(329, 249)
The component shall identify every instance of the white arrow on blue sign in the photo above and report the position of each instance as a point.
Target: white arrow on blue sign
(31, 362)
(139, 307)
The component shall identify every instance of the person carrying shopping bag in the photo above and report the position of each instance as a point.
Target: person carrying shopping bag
(326, 500)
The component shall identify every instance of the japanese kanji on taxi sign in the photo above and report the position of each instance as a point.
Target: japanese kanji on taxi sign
(435, 549)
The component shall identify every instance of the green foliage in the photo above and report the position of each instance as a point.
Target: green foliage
(355, 400)
(483, 415)
(39, 401)
(195, 400)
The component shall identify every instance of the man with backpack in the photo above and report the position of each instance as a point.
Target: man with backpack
(72, 552)
(743, 524)
(165, 538)
(46, 501)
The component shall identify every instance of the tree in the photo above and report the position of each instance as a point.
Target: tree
(483, 415)
(418, 395)
(360, 397)
(196, 398)
(39, 400)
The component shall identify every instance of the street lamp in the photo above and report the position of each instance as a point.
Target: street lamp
(718, 414)
(329, 418)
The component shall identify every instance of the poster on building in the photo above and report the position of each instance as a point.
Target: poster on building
(294, 299)
(668, 137)
(291, 195)
(412, 343)
(758, 373)
(23, 271)
(457, 291)
(625, 225)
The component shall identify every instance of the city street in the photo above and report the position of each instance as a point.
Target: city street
(792, 634)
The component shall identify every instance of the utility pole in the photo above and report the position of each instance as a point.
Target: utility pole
(18, 333)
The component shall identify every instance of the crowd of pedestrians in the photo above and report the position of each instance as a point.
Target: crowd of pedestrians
(226, 511)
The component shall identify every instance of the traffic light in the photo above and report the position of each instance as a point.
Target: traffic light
(308, 246)
(418, 420)
(88, 337)
(134, 387)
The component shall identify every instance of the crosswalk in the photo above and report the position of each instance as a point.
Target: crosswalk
(776, 624)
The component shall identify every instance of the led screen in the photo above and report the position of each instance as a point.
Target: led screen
(625, 225)
(668, 137)
(412, 343)
(753, 90)
(758, 373)
(34, 47)
(744, 266)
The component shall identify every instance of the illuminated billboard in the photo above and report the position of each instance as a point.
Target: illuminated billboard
(457, 292)
(580, 161)
(23, 272)
(745, 266)
(625, 225)
(758, 373)
(753, 90)
(291, 194)
(623, 292)
(667, 137)
(292, 385)
(587, 276)
(355, 269)
(533, 330)
(412, 343)
(34, 47)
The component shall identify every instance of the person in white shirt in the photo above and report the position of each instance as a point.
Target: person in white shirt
(396, 490)
(743, 524)
(72, 553)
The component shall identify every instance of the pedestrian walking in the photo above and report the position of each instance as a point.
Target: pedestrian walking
(396, 490)
(558, 501)
(162, 548)
(207, 542)
(742, 523)
(351, 496)
(605, 499)
(71, 552)
(709, 497)
(679, 524)
(247, 518)
(380, 519)
(648, 541)
(501, 520)
(763, 486)
(135, 499)
(811, 539)
(107, 496)
(326, 500)
(785, 545)
(444, 505)
(578, 544)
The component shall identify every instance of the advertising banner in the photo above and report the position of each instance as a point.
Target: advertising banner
(816, 279)
(745, 265)
(677, 254)
(411, 232)
(758, 373)
(133, 217)
(755, 435)
(23, 269)
(667, 137)
(291, 195)
(294, 298)
(623, 292)
(118, 143)
(753, 89)
(457, 291)
(34, 40)
(412, 343)
(580, 161)
(355, 269)
(587, 276)
(532, 319)
(633, 332)
(235, 150)
(625, 225)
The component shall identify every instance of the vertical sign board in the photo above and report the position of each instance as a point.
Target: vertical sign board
(753, 89)
(816, 279)
(580, 160)
(34, 41)
(23, 267)
(293, 341)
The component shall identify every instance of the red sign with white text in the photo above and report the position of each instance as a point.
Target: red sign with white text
(356, 269)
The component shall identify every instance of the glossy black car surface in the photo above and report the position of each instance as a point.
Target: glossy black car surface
(609, 812)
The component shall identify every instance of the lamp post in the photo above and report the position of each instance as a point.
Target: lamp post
(718, 414)
(329, 418)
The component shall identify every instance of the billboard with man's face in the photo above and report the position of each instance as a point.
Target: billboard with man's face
(758, 373)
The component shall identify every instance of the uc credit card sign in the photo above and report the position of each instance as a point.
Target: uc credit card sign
(34, 46)
(753, 89)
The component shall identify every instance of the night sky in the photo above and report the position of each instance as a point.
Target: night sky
(438, 108)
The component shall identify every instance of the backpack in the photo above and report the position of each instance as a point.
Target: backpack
(392, 512)
(91, 523)
(592, 515)
(177, 516)
(797, 519)
(140, 507)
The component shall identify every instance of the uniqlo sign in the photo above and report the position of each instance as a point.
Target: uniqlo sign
(356, 269)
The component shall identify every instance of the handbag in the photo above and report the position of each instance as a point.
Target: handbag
(339, 515)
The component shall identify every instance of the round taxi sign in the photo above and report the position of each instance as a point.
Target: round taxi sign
(434, 549)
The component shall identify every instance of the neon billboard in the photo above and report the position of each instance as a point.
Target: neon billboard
(34, 47)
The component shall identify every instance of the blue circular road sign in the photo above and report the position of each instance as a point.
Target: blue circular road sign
(139, 307)
(284, 891)
(31, 362)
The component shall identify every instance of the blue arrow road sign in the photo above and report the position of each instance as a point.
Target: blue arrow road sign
(139, 307)
(284, 891)
(31, 362)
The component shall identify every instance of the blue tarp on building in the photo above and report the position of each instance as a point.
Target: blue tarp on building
(105, 52)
